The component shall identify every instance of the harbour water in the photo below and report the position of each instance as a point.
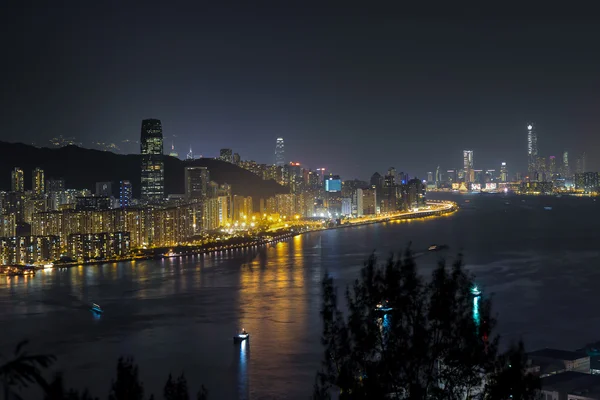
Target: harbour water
(180, 314)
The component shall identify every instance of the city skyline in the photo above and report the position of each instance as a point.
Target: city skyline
(310, 77)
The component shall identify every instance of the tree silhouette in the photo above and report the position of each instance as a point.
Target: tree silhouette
(427, 344)
(56, 391)
(22, 371)
(127, 385)
(176, 390)
(510, 378)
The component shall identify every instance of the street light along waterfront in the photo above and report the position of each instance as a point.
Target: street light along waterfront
(433, 209)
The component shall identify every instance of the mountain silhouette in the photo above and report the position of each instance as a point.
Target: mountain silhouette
(82, 168)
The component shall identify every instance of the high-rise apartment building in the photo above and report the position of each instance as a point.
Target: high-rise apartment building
(37, 182)
(17, 183)
(153, 170)
(125, 194)
(196, 182)
(532, 152)
(468, 165)
(279, 153)
(242, 208)
(226, 155)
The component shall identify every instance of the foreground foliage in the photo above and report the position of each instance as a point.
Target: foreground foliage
(25, 371)
(433, 342)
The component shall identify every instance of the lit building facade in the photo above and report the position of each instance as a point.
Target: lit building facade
(38, 182)
(587, 181)
(551, 167)
(29, 249)
(532, 152)
(415, 194)
(17, 183)
(153, 170)
(242, 208)
(566, 172)
(125, 194)
(468, 165)
(99, 245)
(357, 202)
(503, 172)
(279, 153)
(286, 204)
(346, 206)
(224, 210)
(369, 202)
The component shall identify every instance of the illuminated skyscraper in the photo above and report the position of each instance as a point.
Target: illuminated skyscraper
(468, 165)
(196, 182)
(532, 152)
(503, 173)
(552, 166)
(17, 183)
(566, 168)
(438, 176)
(190, 155)
(153, 169)
(125, 194)
(38, 182)
(279, 153)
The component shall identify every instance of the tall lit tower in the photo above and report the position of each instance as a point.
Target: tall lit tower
(503, 173)
(279, 153)
(532, 151)
(38, 181)
(153, 169)
(552, 166)
(17, 184)
(468, 165)
(566, 168)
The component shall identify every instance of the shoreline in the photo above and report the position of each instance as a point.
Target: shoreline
(452, 207)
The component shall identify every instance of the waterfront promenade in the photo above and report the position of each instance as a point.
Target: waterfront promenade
(276, 234)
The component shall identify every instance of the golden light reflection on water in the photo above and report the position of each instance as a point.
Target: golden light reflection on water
(273, 300)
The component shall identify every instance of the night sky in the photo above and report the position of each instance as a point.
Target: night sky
(354, 90)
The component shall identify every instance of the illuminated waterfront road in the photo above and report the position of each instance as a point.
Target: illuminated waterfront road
(433, 208)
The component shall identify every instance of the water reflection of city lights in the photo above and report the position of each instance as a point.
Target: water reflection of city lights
(476, 317)
(243, 371)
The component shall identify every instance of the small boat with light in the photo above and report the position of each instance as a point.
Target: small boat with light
(240, 337)
(475, 291)
(96, 309)
(435, 247)
(548, 208)
(383, 307)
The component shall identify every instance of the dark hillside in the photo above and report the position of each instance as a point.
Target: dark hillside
(82, 168)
